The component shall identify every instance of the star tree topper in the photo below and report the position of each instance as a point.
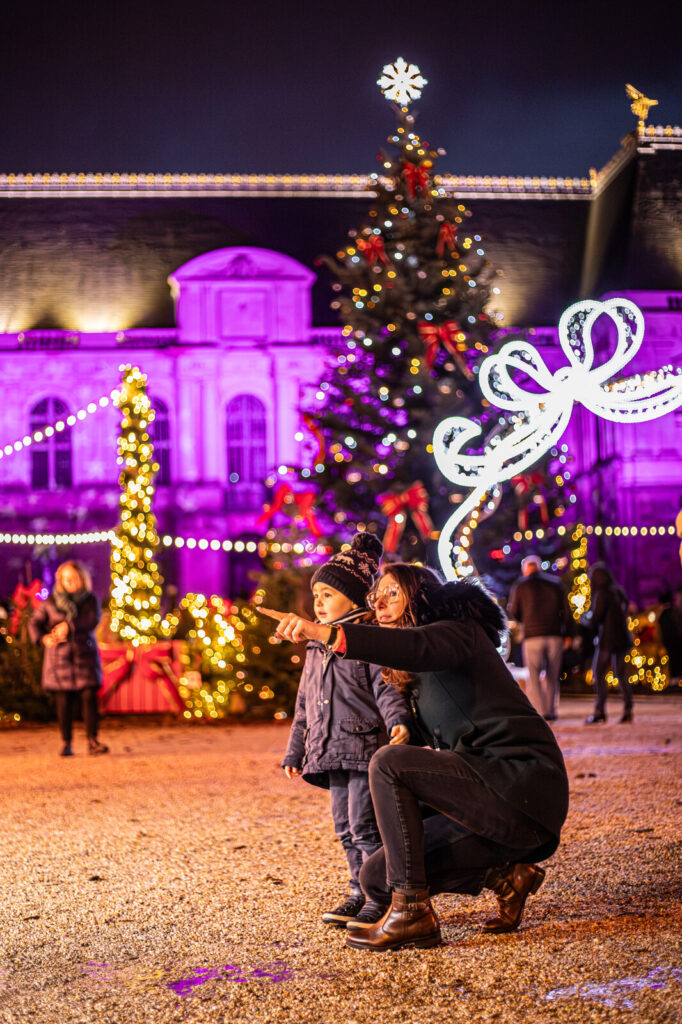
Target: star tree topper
(401, 82)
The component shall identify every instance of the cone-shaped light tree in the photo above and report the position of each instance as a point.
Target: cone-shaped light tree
(135, 579)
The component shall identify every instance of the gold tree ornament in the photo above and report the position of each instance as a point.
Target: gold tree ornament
(640, 103)
(135, 579)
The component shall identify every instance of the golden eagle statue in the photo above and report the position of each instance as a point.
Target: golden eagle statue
(640, 103)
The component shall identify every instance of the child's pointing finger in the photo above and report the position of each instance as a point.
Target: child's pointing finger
(271, 613)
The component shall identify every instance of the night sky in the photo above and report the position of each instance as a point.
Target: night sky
(529, 88)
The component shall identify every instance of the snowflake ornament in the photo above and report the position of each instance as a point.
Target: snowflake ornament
(401, 82)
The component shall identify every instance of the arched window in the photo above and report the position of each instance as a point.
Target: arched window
(51, 457)
(246, 455)
(159, 433)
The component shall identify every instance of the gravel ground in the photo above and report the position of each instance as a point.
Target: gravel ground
(182, 878)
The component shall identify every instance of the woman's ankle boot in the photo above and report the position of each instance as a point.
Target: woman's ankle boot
(409, 921)
(512, 884)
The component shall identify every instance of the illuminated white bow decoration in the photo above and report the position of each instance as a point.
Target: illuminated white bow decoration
(540, 417)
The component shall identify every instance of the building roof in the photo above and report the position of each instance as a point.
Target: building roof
(94, 251)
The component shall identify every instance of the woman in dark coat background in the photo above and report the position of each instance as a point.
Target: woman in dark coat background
(490, 765)
(64, 625)
(608, 622)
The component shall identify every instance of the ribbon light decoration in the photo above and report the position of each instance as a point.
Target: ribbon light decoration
(539, 418)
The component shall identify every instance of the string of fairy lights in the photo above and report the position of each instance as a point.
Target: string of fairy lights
(167, 540)
(252, 546)
(45, 433)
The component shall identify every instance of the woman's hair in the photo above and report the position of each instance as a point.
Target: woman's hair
(601, 576)
(85, 578)
(411, 579)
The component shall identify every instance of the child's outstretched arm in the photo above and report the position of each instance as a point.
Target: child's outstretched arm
(295, 628)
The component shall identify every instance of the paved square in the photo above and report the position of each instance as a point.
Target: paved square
(182, 878)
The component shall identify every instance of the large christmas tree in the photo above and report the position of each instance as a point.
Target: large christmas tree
(417, 298)
(414, 289)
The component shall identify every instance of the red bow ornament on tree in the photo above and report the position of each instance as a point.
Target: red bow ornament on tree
(446, 239)
(372, 248)
(302, 506)
(22, 598)
(435, 335)
(415, 501)
(415, 176)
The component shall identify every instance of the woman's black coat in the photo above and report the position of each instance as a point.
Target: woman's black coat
(466, 700)
(608, 619)
(74, 664)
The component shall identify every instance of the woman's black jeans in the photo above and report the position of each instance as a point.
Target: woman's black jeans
(614, 660)
(67, 706)
(474, 830)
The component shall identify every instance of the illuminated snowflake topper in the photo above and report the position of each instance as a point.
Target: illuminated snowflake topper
(540, 417)
(401, 82)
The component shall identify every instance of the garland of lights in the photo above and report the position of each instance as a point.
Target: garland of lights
(41, 435)
(538, 419)
(202, 543)
(214, 544)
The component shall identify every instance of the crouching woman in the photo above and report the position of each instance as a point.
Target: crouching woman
(489, 766)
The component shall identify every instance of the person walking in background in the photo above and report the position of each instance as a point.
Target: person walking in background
(64, 625)
(344, 713)
(670, 623)
(608, 622)
(539, 602)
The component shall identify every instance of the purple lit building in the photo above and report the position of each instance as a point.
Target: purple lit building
(209, 283)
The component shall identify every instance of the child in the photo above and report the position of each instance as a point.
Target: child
(344, 713)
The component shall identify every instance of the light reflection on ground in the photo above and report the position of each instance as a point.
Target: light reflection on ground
(615, 994)
(229, 972)
(104, 973)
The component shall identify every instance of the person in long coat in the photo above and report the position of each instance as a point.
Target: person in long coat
(607, 620)
(489, 765)
(64, 625)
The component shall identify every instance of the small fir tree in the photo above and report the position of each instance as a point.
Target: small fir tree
(21, 693)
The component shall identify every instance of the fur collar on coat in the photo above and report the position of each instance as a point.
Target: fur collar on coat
(463, 599)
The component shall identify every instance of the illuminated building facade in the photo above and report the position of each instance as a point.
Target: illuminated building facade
(209, 283)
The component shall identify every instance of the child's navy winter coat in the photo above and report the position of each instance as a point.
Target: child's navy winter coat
(344, 713)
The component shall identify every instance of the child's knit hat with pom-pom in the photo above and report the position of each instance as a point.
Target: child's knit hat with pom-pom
(353, 571)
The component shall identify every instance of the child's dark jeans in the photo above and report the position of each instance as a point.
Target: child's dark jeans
(354, 821)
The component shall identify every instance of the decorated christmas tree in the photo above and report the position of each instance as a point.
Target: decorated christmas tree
(414, 290)
(135, 579)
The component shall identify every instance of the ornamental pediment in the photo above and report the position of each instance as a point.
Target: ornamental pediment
(242, 263)
(242, 294)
